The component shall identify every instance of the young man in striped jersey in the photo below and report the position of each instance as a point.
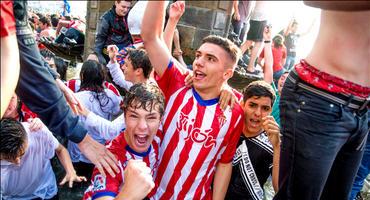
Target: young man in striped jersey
(257, 154)
(199, 137)
(143, 109)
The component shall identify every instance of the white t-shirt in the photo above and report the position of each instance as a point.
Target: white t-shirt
(34, 177)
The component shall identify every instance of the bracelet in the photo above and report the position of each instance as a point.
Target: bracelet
(267, 41)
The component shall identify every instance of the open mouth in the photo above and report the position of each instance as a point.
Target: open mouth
(141, 140)
(254, 123)
(198, 75)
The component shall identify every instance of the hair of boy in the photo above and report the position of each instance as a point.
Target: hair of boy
(231, 49)
(13, 137)
(144, 95)
(139, 59)
(259, 89)
(45, 20)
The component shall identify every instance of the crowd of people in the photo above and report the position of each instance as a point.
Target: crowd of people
(140, 123)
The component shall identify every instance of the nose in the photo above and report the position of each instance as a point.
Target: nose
(142, 125)
(199, 62)
(258, 112)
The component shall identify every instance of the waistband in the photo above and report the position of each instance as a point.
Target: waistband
(354, 102)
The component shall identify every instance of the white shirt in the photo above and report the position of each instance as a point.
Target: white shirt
(107, 129)
(90, 102)
(34, 177)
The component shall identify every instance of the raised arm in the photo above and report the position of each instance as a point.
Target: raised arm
(176, 11)
(114, 68)
(151, 33)
(268, 72)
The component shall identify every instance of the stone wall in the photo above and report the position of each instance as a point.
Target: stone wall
(200, 19)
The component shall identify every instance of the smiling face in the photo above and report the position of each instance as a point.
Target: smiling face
(255, 108)
(122, 8)
(210, 68)
(141, 127)
(128, 70)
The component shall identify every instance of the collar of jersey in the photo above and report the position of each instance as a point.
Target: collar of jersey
(202, 102)
(143, 154)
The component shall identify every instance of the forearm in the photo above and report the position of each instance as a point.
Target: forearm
(221, 180)
(153, 20)
(275, 168)
(235, 6)
(268, 72)
(169, 32)
(65, 159)
(107, 129)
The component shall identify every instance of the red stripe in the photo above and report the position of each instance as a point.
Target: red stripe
(206, 182)
(177, 102)
(175, 138)
(184, 155)
(202, 156)
(111, 87)
(72, 85)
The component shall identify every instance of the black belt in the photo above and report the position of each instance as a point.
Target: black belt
(354, 102)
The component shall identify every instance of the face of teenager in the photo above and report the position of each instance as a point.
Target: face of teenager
(141, 127)
(255, 108)
(209, 68)
(128, 70)
(122, 8)
(11, 111)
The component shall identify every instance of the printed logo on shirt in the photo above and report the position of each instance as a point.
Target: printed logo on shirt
(195, 134)
(99, 183)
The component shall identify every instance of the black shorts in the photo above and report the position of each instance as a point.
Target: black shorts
(256, 29)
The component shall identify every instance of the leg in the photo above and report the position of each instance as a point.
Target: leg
(257, 48)
(363, 171)
(314, 132)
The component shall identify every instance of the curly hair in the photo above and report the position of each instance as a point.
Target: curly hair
(13, 138)
(146, 96)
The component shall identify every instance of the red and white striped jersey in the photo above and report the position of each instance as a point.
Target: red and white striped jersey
(74, 85)
(110, 186)
(197, 136)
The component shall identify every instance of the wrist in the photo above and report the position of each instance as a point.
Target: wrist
(267, 41)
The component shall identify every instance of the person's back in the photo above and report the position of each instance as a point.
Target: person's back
(34, 177)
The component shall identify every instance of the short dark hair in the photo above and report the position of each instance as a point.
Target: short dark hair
(231, 49)
(54, 21)
(146, 96)
(13, 138)
(45, 20)
(139, 59)
(259, 89)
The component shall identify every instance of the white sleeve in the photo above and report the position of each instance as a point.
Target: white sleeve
(116, 101)
(118, 76)
(50, 142)
(107, 129)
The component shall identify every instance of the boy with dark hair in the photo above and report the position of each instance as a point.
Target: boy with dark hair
(257, 153)
(26, 171)
(135, 65)
(143, 110)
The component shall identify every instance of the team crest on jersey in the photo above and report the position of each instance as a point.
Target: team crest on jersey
(221, 119)
(99, 183)
(195, 134)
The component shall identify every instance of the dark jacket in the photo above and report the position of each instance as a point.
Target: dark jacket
(112, 29)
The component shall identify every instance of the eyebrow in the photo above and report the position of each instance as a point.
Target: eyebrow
(207, 54)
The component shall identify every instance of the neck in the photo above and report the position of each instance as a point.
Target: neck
(343, 39)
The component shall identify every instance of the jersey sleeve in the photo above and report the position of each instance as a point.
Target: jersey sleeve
(103, 186)
(7, 20)
(171, 80)
(234, 132)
